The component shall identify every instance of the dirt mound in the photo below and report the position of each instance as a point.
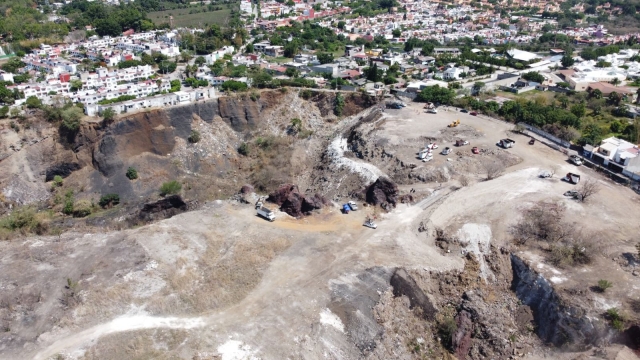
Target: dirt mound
(383, 192)
(291, 201)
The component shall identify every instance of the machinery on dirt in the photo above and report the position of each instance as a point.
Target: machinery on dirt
(428, 157)
(346, 208)
(454, 124)
(370, 223)
(461, 142)
(575, 160)
(507, 143)
(424, 153)
(572, 178)
(446, 151)
(432, 146)
(352, 205)
(266, 213)
(475, 150)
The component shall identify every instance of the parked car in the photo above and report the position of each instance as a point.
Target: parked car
(432, 146)
(446, 151)
(353, 205)
(464, 110)
(475, 150)
(576, 160)
(545, 174)
(473, 113)
(461, 142)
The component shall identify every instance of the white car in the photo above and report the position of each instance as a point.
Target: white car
(370, 224)
(446, 151)
(432, 146)
(352, 205)
(429, 157)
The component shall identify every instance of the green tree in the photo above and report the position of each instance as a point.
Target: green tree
(615, 98)
(533, 76)
(325, 57)
(615, 81)
(596, 94)
(71, 118)
(75, 85)
(578, 110)
(567, 61)
(338, 104)
(436, 94)
(33, 102)
(108, 114)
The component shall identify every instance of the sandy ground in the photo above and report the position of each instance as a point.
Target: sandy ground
(286, 309)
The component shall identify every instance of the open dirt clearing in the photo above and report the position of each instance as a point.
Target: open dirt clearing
(225, 283)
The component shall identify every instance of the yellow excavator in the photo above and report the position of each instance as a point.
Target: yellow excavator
(454, 124)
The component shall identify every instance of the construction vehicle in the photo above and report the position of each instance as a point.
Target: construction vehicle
(424, 153)
(461, 142)
(572, 178)
(429, 157)
(432, 146)
(370, 223)
(454, 124)
(352, 205)
(507, 143)
(266, 213)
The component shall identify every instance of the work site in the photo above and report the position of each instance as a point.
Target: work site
(306, 224)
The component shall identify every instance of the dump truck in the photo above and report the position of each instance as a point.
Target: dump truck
(572, 178)
(454, 124)
(266, 213)
(507, 143)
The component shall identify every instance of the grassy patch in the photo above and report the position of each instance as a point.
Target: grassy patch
(181, 17)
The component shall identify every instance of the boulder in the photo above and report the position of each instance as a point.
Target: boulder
(291, 201)
(247, 189)
(383, 192)
(62, 169)
(163, 208)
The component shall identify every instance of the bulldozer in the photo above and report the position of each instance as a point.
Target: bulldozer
(454, 124)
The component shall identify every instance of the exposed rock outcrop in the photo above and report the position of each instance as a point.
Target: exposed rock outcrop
(163, 208)
(62, 169)
(404, 284)
(291, 201)
(383, 192)
(556, 321)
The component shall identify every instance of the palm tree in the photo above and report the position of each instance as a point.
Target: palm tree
(615, 81)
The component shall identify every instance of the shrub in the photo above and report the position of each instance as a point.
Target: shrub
(57, 180)
(603, 285)
(254, 95)
(82, 208)
(306, 94)
(33, 102)
(25, 220)
(243, 149)
(446, 328)
(338, 105)
(68, 206)
(132, 173)
(170, 188)
(109, 200)
(194, 137)
(71, 119)
(615, 318)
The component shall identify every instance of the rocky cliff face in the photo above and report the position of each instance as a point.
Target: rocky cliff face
(557, 321)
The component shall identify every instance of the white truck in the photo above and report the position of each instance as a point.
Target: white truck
(266, 213)
(507, 143)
